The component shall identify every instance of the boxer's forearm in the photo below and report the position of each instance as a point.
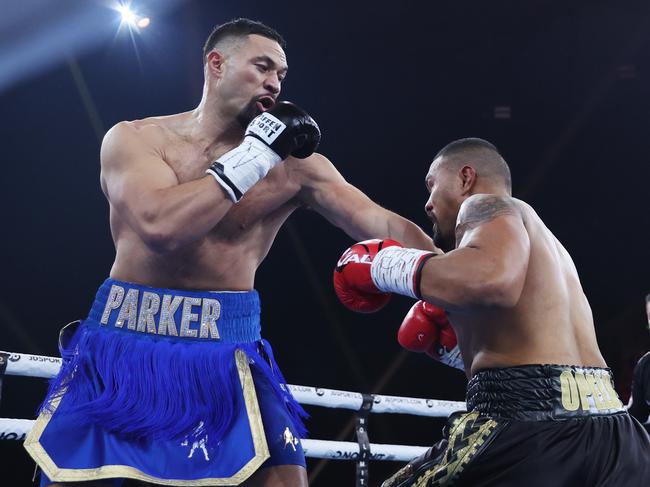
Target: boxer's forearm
(373, 221)
(324, 190)
(145, 192)
(169, 218)
(346, 207)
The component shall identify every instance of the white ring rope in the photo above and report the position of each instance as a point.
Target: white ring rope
(32, 365)
(17, 429)
(47, 367)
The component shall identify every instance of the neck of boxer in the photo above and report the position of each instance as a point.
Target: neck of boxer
(213, 129)
(488, 188)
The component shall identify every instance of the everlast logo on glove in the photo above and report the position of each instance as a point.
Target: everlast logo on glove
(353, 282)
(350, 256)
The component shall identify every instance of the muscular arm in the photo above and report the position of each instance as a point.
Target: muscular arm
(145, 192)
(489, 266)
(327, 192)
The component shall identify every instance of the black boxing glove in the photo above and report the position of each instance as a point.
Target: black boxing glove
(270, 138)
(287, 129)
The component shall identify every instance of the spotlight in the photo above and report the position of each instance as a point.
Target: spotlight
(128, 17)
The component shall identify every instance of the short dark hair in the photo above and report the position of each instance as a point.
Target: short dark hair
(480, 153)
(240, 28)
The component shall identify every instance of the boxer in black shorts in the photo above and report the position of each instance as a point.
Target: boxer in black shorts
(505, 304)
(516, 415)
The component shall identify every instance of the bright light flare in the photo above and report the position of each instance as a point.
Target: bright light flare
(128, 16)
(143, 22)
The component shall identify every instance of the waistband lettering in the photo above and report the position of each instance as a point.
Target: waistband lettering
(115, 297)
(167, 325)
(587, 390)
(148, 308)
(142, 316)
(209, 316)
(188, 316)
(613, 400)
(570, 400)
(129, 310)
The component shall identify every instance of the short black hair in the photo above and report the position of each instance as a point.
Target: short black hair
(240, 28)
(480, 153)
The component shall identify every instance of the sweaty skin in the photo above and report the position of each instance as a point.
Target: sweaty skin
(511, 289)
(229, 253)
(174, 227)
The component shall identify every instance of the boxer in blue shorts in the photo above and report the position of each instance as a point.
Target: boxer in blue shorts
(159, 374)
(166, 381)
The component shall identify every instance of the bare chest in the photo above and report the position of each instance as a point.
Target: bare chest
(187, 161)
(262, 209)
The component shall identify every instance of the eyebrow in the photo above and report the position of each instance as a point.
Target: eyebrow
(272, 63)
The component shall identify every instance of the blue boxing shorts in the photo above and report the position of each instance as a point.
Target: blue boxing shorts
(169, 387)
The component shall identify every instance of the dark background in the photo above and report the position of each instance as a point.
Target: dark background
(562, 88)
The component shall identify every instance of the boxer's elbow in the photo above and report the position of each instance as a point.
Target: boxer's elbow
(158, 234)
(160, 242)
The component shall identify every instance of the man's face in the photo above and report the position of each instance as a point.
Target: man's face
(253, 77)
(443, 204)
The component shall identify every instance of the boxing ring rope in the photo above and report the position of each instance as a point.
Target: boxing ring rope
(362, 451)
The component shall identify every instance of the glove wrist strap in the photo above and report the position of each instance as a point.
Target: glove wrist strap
(397, 270)
(239, 169)
(452, 358)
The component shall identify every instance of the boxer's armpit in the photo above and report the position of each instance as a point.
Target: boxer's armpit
(482, 208)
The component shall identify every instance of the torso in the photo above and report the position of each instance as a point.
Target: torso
(229, 255)
(551, 324)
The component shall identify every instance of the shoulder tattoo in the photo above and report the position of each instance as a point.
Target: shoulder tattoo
(482, 208)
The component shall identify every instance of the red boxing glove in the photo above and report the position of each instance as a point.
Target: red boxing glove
(426, 328)
(352, 281)
(418, 331)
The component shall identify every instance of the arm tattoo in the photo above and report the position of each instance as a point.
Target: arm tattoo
(482, 208)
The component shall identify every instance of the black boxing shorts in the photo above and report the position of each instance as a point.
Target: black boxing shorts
(536, 426)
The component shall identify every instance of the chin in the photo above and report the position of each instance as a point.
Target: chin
(443, 243)
(248, 113)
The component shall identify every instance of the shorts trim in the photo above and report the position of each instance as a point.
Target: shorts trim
(57, 474)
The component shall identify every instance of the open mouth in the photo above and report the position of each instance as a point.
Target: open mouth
(265, 103)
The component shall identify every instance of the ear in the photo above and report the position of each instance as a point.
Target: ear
(467, 176)
(216, 63)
